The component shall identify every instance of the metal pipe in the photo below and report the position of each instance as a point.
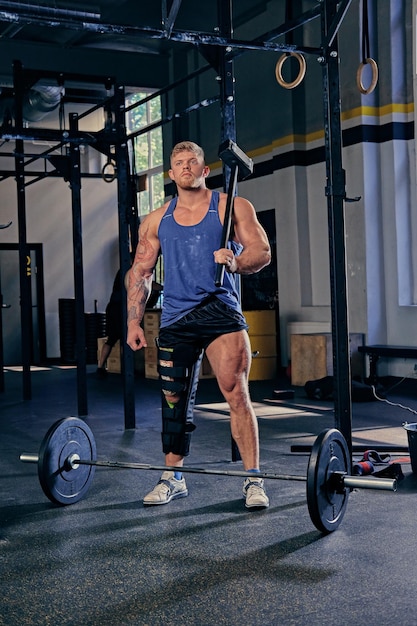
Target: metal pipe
(92, 23)
(189, 470)
(369, 482)
(29, 457)
(48, 12)
(335, 192)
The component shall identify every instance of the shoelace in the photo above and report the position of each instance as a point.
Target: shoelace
(254, 487)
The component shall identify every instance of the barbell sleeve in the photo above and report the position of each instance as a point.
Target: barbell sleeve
(29, 457)
(369, 482)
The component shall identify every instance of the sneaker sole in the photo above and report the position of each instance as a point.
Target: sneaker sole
(174, 496)
(256, 507)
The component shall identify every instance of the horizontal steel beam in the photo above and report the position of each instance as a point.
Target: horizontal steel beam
(67, 19)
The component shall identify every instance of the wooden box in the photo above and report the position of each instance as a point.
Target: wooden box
(151, 320)
(113, 361)
(312, 357)
(151, 370)
(151, 354)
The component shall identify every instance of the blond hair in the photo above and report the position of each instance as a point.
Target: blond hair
(187, 146)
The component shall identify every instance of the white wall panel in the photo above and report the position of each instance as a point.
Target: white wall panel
(49, 222)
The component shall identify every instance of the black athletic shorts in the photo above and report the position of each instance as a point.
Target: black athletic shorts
(211, 319)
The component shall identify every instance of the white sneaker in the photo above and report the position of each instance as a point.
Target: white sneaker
(167, 489)
(254, 493)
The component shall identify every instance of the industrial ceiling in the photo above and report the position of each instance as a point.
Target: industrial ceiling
(130, 38)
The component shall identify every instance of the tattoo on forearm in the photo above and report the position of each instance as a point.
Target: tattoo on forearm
(137, 301)
(132, 314)
(140, 280)
(145, 251)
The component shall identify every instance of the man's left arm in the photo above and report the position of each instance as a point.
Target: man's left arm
(256, 252)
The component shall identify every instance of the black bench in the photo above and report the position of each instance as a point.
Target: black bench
(377, 351)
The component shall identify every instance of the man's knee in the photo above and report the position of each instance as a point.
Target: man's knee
(170, 396)
(177, 370)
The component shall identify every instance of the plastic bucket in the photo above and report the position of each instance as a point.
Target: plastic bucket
(412, 444)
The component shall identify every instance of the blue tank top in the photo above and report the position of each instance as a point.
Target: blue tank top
(189, 266)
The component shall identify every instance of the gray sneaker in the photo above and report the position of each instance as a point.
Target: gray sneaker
(167, 489)
(254, 493)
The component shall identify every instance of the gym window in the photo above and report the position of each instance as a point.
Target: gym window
(147, 150)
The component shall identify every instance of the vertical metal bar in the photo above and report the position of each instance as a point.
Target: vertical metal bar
(81, 352)
(124, 208)
(2, 386)
(227, 82)
(40, 294)
(336, 193)
(220, 269)
(228, 110)
(133, 211)
(24, 275)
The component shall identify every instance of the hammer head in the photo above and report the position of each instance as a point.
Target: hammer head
(232, 155)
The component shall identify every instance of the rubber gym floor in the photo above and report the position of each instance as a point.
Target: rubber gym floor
(202, 560)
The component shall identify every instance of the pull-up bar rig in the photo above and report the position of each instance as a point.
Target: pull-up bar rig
(331, 14)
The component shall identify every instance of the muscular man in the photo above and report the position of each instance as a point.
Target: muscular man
(197, 316)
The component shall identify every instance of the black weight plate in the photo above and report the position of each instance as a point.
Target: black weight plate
(325, 504)
(61, 483)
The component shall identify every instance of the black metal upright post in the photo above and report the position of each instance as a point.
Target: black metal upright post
(81, 351)
(24, 274)
(228, 111)
(124, 208)
(1, 341)
(336, 194)
(227, 82)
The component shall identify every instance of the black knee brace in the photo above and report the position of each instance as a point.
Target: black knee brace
(177, 419)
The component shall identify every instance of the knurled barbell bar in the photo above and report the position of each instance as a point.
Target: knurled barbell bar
(67, 461)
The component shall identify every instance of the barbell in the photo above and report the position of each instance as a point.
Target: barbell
(67, 461)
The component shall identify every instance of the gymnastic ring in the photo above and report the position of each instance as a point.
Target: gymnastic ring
(374, 80)
(301, 73)
(109, 177)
